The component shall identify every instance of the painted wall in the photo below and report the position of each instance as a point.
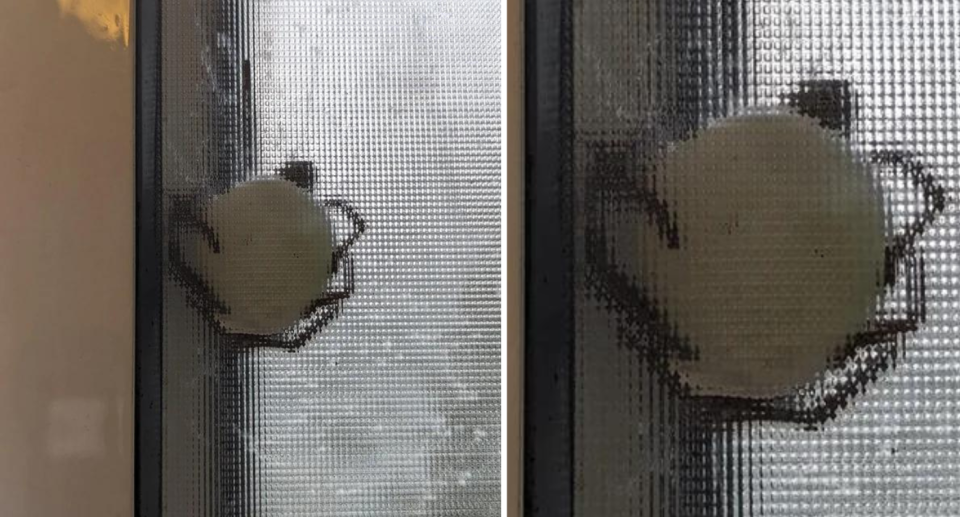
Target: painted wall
(66, 258)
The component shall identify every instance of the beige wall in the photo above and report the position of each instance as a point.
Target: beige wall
(66, 259)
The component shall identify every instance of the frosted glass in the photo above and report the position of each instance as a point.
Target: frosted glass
(875, 430)
(384, 398)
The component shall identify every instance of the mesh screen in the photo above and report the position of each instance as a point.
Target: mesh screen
(875, 430)
(383, 397)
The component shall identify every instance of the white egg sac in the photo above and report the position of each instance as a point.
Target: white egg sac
(274, 257)
(781, 247)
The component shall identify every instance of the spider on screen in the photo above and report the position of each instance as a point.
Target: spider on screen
(773, 282)
(261, 263)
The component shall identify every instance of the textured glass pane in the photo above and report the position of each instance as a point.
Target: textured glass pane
(717, 376)
(351, 152)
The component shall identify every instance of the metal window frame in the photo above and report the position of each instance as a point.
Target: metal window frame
(548, 477)
(148, 378)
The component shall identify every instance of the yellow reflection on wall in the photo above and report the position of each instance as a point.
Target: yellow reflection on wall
(107, 20)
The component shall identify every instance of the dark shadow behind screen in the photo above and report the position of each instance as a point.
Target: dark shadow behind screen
(385, 399)
(612, 84)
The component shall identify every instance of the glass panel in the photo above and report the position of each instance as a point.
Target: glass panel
(765, 322)
(331, 298)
